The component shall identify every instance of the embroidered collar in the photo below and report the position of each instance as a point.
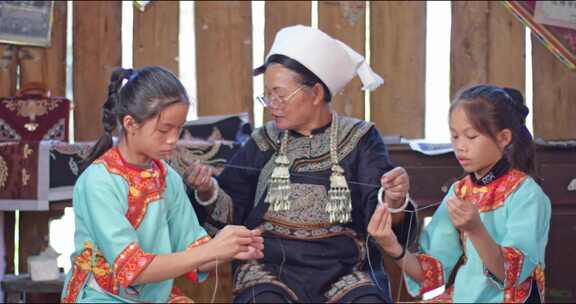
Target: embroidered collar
(492, 196)
(499, 169)
(144, 185)
(313, 132)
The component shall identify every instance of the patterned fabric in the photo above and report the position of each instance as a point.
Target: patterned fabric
(516, 214)
(34, 118)
(144, 186)
(19, 163)
(560, 41)
(129, 264)
(492, 196)
(307, 257)
(125, 216)
(433, 273)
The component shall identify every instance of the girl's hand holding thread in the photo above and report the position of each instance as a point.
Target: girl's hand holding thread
(237, 242)
(464, 214)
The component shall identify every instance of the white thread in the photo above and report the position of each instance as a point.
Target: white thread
(215, 283)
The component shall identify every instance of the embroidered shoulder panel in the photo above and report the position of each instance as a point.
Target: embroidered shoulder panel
(313, 154)
(144, 186)
(492, 196)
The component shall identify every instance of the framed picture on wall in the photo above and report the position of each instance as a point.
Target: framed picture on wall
(26, 22)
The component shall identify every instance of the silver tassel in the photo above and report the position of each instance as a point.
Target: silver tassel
(279, 185)
(340, 205)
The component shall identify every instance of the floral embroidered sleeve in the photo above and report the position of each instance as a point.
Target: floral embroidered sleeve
(439, 252)
(523, 246)
(104, 208)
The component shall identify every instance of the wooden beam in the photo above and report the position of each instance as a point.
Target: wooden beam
(554, 95)
(346, 21)
(487, 46)
(224, 57)
(156, 32)
(293, 13)
(398, 54)
(97, 51)
(48, 65)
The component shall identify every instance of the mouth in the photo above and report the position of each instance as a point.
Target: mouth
(463, 161)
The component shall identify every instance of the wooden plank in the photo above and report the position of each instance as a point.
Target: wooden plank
(8, 64)
(156, 35)
(487, 46)
(554, 96)
(507, 45)
(224, 57)
(468, 54)
(346, 21)
(97, 51)
(398, 54)
(34, 234)
(293, 13)
(48, 65)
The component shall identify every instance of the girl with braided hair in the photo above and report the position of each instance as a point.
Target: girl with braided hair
(135, 227)
(491, 229)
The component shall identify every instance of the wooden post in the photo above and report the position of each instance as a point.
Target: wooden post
(487, 46)
(398, 54)
(97, 51)
(554, 96)
(156, 35)
(224, 57)
(292, 13)
(346, 21)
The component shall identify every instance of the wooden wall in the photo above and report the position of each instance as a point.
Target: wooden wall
(487, 45)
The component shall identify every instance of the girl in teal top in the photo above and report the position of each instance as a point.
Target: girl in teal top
(491, 229)
(135, 227)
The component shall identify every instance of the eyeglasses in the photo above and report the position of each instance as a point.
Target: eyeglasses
(273, 98)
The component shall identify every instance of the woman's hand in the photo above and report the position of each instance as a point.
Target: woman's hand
(380, 228)
(464, 215)
(396, 185)
(199, 177)
(237, 242)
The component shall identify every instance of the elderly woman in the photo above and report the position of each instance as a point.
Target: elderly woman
(309, 181)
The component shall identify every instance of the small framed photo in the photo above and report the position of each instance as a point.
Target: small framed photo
(26, 22)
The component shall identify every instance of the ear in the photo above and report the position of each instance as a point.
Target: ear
(130, 124)
(318, 90)
(504, 138)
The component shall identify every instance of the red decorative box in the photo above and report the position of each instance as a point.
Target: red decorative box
(33, 115)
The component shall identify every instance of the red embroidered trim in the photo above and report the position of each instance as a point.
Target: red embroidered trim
(193, 275)
(75, 284)
(129, 264)
(514, 292)
(144, 186)
(493, 195)
(433, 273)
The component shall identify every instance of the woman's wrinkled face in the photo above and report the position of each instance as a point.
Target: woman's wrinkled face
(289, 101)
